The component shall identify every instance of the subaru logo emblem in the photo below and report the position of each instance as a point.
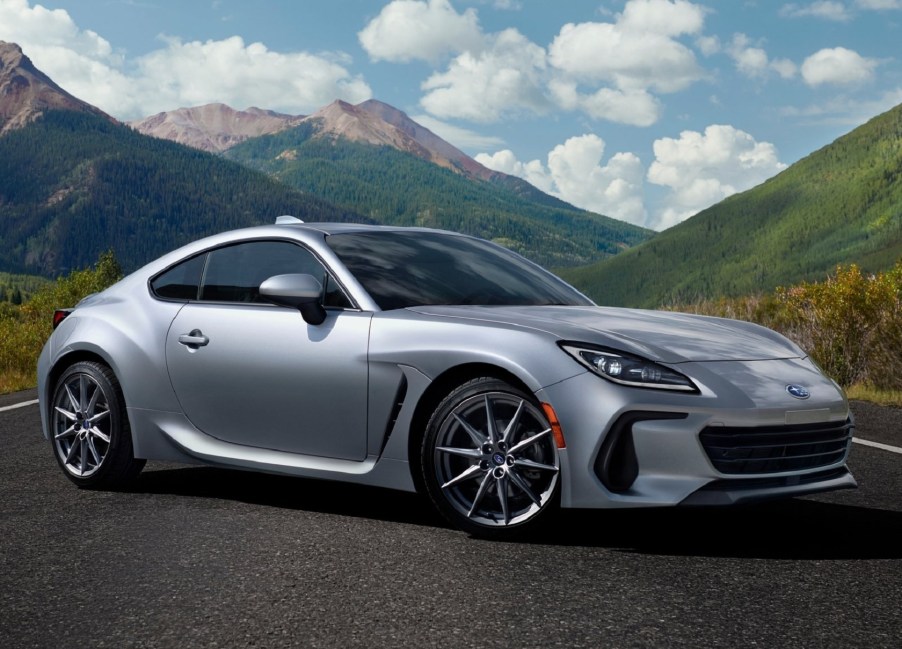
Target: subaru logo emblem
(797, 391)
(498, 459)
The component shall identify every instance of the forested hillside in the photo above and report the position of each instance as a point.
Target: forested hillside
(391, 186)
(841, 204)
(73, 185)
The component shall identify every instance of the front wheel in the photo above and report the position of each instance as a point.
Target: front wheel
(89, 428)
(489, 460)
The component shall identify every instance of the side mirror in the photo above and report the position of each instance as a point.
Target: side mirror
(302, 292)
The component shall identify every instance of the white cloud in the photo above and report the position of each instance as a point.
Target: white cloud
(667, 17)
(879, 5)
(630, 59)
(754, 62)
(826, 9)
(179, 73)
(702, 169)
(462, 138)
(845, 110)
(485, 86)
(413, 29)
(708, 45)
(633, 107)
(575, 173)
(837, 66)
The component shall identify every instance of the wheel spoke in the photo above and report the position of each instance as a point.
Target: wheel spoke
(529, 464)
(72, 401)
(84, 457)
(69, 431)
(65, 413)
(98, 416)
(82, 391)
(93, 450)
(501, 485)
(100, 435)
(513, 423)
(469, 474)
(89, 409)
(463, 452)
(528, 441)
(71, 454)
(490, 421)
(483, 488)
(478, 438)
(524, 487)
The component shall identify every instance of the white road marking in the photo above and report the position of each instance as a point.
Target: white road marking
(884, 447)
(18, 405)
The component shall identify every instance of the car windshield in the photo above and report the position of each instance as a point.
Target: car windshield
(415, 268)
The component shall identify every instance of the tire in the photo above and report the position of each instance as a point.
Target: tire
(90, 434)
(494, 481)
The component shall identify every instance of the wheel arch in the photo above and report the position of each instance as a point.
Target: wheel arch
(59, 366)
(438, 389)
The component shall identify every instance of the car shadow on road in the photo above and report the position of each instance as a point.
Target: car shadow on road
(798, 529)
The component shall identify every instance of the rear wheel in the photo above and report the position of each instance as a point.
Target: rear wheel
(89, 428)
(489, 460)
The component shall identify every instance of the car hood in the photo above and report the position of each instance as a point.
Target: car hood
(663, 336)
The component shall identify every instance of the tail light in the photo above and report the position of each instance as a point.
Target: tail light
(59, 315)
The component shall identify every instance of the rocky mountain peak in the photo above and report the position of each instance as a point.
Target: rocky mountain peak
(214, 127)
(26, 92)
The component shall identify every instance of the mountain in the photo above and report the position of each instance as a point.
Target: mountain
(74, 184)
(374, 160)
(842, 204)
(26, 92)
(214, 127)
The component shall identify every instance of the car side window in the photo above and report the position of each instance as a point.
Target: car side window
(234, 273)
(181, 282)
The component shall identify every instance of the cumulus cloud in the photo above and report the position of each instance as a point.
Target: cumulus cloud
(462, 138)
(484, 86)
(630, 59)
(753, 61)
(177, 74)
(406, 30)
(837, 66)
(575, 173)
(702, 169)
(826, 9)
(880, 5)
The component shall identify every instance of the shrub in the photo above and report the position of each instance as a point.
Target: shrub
(25, 328)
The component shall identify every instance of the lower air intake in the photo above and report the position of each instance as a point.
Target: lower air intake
(775, 449)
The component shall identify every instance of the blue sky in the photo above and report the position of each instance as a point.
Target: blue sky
(645, 110)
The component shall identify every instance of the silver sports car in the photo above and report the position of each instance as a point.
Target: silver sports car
(425, 360)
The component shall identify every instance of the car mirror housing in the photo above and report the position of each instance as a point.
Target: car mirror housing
(302, 292)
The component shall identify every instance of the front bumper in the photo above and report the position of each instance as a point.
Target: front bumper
(632, 447)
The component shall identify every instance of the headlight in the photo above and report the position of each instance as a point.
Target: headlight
(626, 369)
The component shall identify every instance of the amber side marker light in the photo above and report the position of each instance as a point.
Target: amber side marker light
(555, 425)
(59, 315)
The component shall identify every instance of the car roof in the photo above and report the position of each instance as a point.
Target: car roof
(345, 228)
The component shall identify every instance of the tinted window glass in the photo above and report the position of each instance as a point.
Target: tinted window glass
(234, 274)
(400, 269)
(180, 282)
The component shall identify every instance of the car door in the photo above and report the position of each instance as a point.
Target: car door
(252, 373)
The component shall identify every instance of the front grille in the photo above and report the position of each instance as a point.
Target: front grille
(774, 449)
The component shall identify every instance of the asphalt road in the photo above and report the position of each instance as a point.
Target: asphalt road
(207, 557)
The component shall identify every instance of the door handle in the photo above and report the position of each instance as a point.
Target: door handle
(194, 339)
